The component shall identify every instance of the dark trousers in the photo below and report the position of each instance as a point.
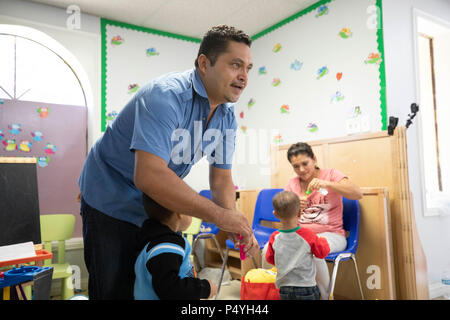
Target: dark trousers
(299, 293)
(110, 251)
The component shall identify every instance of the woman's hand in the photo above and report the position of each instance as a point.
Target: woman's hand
(316, 184)
(303, 204)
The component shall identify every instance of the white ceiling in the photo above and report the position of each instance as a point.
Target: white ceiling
(190, 17)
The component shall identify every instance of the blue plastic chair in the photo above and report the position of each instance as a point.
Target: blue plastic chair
(351, 224)
(213, 230)
(263, 212)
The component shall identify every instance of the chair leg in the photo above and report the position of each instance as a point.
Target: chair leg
(222, 270)
(67, 288)
(333, 279)
(357, 276)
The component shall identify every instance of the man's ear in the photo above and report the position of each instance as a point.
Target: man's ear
(203, 62)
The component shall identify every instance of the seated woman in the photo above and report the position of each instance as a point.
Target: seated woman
(320, 192)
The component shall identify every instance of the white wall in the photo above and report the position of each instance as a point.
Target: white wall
(401, 92)
(84, 44)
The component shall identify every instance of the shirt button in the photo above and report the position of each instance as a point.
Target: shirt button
(204, 118)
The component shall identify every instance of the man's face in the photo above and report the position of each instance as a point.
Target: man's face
(227, 79)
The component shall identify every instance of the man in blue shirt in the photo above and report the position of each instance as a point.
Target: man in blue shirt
(151, 146)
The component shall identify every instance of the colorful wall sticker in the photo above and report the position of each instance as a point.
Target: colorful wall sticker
(43, 161)
(285, 109)
(278, 139)
(1, 135)
(132, 88)
(37, 135)
(276, 82)
(43, 112)
(337, 97)
(10, 144)
(50, 149)
(262, 70)
(322, 72)
(152, 52)
(296, 65)
(117, 40)
(15, 128)
(244, 129)
(277, 48)
(321, 11)
(312, 127)
(345, 33)
(111, 116)
(373, 58)
(25, 146)
(339, 76)
(241, 115)
(251, 102)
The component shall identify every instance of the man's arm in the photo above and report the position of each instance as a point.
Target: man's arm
(224, 195)
(153, 177)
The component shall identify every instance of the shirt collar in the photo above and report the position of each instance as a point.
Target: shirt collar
(200, 89)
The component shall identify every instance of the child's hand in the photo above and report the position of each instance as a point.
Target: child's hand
(213, 286)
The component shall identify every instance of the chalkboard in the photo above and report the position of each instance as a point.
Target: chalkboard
(19, 204)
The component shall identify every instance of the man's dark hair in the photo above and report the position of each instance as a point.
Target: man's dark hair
(300, 148)
(154, 210)
(215, 42)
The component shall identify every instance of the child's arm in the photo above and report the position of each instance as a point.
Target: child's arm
(270, 254)
(168, 285)
(319, 245)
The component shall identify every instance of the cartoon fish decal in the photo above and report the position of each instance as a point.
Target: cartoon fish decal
(132, 88)
(43, 161)
(117, 40)
(277, 48)
(10, 144)
(43, 112)
(262, 70)
(251, 102)
(284, 109)
(345, 33)
(25, 146)
(373, 58)
(278, 139)
(296, 65)
(152, 52)
(337, 97)
(339, 76)
(50, 149)
(312, 127)
(244, 129)
(37, 135)
(111, 115)
(241, 115)
(322, 72)
(321, 11)
(276, 82)
(15, 128)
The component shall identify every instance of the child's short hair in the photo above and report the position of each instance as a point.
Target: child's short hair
(286, 204)
(154, 210)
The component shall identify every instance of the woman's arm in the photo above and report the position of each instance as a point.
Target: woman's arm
(344, 187)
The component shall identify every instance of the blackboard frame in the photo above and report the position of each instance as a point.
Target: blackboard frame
(19, 201)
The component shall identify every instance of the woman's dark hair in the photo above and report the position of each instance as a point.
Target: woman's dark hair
(215, 42)
(154, 210)
(300, 148)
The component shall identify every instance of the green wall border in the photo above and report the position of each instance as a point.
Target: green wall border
(103, 23)
(382, 67)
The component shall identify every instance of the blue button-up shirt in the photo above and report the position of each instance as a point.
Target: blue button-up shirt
(167, 118)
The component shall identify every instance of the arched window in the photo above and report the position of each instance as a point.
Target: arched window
(30, 71)
(44, 95)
